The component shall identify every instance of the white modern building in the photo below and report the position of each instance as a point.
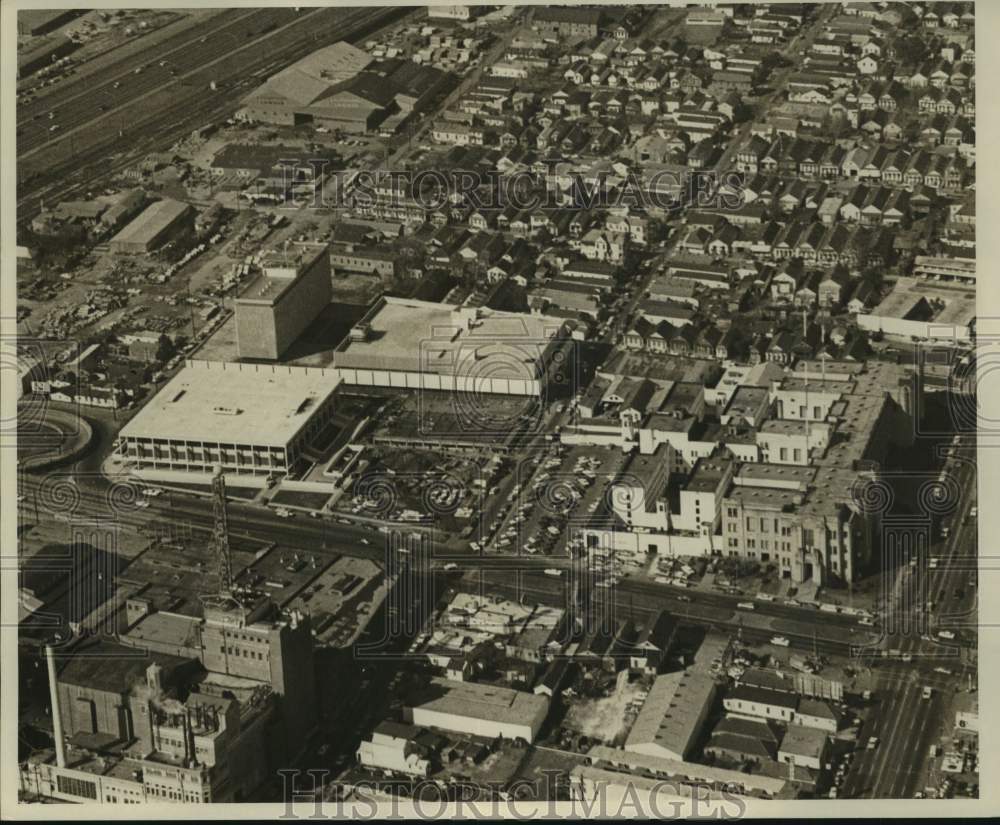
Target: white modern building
(251, 420)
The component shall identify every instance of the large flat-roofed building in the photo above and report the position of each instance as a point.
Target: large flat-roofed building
(252, 421)
(480, 710)
(920, 309)
(418, 344)
(672, 715)
(152, 227)
(274, 308)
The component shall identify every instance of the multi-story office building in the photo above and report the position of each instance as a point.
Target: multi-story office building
(274, 308)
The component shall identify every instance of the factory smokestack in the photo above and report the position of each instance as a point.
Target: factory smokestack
(57, 731)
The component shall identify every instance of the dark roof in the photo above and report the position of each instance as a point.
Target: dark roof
(367, 86)
(114, 668)
(660, 632)
(743, 745)
(399, 730)
(736, 726)
(763, 696)
(563, 14)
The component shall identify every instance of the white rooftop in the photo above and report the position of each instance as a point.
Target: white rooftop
(232, 405)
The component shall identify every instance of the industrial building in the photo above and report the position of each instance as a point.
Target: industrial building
(479, 710)
(418, 344)
(290, 289)
(153, 227)
(324, 87)
(672, 715)
(150, 728)
(249, 421)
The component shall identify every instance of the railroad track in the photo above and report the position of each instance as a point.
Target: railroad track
(172, 115)
(69, 92)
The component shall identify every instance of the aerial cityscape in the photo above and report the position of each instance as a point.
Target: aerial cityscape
(497, 403)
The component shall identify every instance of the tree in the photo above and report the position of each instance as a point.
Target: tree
(911, 50)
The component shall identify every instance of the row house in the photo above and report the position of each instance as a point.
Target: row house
(824, 289)
(871, 206)
(819, 245)
(884, 96)
(692, 340)
(945, 102)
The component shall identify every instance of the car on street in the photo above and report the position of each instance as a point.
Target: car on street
(780, 641)
(746, 606)
(872, 743)
(284, 512)
(928, 692)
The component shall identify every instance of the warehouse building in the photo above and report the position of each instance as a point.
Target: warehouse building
(321, 86)
(250, 420)
(291, 288)
(672, 715)
(154, 226)
(479, 710)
